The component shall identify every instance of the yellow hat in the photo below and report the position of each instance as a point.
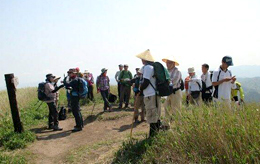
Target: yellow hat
(171, 58)
(146, 55)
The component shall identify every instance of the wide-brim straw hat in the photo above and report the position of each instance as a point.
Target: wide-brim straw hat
(171, 58)
(86, 72)
(191, 70)
(146, 55)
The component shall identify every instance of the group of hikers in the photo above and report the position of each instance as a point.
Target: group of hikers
(150, 83)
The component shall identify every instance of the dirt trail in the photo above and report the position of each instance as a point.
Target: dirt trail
(54, 147)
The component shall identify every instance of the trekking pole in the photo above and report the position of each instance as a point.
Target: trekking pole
(132, 126)
(39, 105)
(93, 108)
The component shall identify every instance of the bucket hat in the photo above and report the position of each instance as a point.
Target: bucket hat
(103, 70)
(191, 70)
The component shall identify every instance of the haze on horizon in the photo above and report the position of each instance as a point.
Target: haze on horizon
(38, 37)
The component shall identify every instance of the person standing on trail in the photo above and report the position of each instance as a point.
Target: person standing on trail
(151, 100)
(194, 90)
(51, 93)
(174, 100)
(74, 87)
(90, 79)
(186, 85)
(139, 97)
(223, 82)
(206, 82)
(125, 91)
(103, 87)
(117, 78)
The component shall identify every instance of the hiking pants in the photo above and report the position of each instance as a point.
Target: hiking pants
(118, 88)
(125, 92)
(53, 114)
(174, 101)
(207, 97)
(153, 112)
(76, 111)
(68, 99)
(104, 95)
(90, 92)
(139, 103)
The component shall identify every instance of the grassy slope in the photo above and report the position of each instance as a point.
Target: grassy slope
(205, 135)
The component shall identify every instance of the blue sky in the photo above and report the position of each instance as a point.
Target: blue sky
(42, 36)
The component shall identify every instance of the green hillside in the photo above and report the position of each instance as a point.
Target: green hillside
(251, 88)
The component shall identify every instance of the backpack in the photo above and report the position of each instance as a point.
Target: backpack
(62, 113)
(82, 88)
(162, 77)
(41, 92)
(182, 85)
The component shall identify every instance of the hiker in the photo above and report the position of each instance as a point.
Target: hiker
(104, 88)
(223, 82)
(194, 90)
(74, 86)
(151, 100)
(125, 90)
(186, 85)
(66, 81)
(55, 81)
(51, 93)
(117, 78)
(174, 100)
(206, 84)
(90, 79)
(234, 93)
(139, 97)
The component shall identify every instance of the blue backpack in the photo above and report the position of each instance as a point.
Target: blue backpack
(82, 89)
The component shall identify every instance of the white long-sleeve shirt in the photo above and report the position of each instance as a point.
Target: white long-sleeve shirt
(117, 75)
(194, 84)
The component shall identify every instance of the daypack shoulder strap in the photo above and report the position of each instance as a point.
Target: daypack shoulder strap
(218, 75)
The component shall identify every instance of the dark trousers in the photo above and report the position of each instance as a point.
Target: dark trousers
(125, 94)
(104, 95)
(90, 92)
(76, 111)
(53, 114)
(118, 88)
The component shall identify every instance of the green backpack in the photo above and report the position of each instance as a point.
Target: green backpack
(162, 77)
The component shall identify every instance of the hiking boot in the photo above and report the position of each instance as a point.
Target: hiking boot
(57, 128)
(110, 108)
(76, 129)
(50, 127)
(120, 107)
(126, 106)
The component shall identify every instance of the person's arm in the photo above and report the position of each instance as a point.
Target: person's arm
(116, 76)
(57, 88)
(97, 83)
(144, 84)
(131, 76)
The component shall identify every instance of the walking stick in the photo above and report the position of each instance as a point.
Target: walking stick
(93, 108)
(39, 106)
(132, 126)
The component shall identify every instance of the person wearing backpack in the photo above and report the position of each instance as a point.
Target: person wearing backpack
(125, 91)
(194, 90)
(151, 100)
(51, 94)
(174, 100)
(223, 82)
(104, 88)
(66, 81)
(206, 84)
(78, 87)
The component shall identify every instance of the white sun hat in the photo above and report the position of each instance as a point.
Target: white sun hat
(146, 55)
(191, 70)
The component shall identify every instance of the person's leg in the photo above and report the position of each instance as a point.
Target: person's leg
(127, 92)
(50, 119)
(76, 112)
(106, 99)
(103, 94)
(118, 89)
(122, 89)
(54, 115)
(142, 108)
(91, 93)
(136, 108)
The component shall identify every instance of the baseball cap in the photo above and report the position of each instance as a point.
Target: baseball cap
(228, 60)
